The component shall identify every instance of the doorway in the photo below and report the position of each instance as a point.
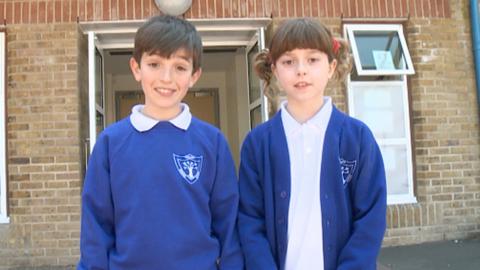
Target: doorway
(226, 95)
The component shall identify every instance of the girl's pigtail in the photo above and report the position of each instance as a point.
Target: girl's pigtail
(263, 69)
(341, 50)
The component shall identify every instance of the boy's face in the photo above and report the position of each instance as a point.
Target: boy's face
(165, 82)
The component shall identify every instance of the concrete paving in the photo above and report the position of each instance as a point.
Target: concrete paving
(444, 255)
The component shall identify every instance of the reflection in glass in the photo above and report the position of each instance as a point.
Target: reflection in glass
(380, 50)
(253, 80)
(395, 159)
(99, 122)
(98, 79)
(381, 107)
(255, 116)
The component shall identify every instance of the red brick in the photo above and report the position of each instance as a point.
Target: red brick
(8, 12)
(25, 12)
(138, 9)
(49, 10)
(2, 12)
(426, 8)
(129, 9)
(203, 9)
(57, 10)
(418, 8)
(74, 10)
(42, 10)
(90, 12)
(66, 11)
(17, 10)
(446, 8)
(337, 8)
(219, 9)
(121, 9)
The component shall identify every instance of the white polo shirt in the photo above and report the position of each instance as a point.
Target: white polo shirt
(305, 146)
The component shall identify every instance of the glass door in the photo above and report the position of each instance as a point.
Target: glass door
(96, 90)
(257, 102)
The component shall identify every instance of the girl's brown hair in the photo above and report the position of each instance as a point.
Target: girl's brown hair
(302, 33)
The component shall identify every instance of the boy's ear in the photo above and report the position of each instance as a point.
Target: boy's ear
(135, 67)
(195, 76)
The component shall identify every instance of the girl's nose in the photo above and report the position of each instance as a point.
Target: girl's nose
(301, 68)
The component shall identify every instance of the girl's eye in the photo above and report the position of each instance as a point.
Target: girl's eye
(287, 62)
(181, 68)
(313, 60)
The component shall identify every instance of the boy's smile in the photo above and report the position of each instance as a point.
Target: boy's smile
(165, 82)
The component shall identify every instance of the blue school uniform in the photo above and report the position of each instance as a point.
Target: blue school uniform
(352, 195)
(160, 195)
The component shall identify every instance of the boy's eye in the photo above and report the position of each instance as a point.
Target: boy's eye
(287, 62)
(153, 65)
(313, 60)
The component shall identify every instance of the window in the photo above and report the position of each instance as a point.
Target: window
(3, 156)
(378, 95)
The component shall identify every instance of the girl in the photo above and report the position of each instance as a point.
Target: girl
(312, 181)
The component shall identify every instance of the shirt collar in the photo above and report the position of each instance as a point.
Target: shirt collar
(319, 121)
(142, 122)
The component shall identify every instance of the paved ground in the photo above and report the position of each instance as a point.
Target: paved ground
(450, 255)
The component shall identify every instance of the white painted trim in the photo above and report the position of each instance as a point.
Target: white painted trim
(217, 32)
(91, 91)
(350, 28)
(3, 153)
(409, 197)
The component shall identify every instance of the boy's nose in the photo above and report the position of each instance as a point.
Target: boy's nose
(165, 74)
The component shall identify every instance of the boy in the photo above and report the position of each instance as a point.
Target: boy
(160, 190)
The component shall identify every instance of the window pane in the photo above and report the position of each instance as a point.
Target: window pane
(98, 79)
(382, 108)
(253, 81)
(380, 50)
(395, 159)
(100, 122)
(255, 116)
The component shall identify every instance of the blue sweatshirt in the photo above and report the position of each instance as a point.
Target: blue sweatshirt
(352, 196)
(165, 198)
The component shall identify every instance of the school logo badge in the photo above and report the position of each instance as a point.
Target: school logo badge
(348, 168)
(189, 166)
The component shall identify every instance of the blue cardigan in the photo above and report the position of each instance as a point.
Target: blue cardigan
(352, 195)
(165, 198)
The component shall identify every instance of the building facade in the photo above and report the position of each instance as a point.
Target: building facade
(56, 52)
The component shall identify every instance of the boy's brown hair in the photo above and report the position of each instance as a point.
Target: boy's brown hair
(164, 35)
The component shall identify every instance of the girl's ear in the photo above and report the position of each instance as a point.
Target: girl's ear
(331, 68)
(135, 67)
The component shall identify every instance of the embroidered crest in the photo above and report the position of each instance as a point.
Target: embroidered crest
(348, 168)
(188, 166)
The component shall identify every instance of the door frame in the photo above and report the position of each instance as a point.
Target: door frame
(237, 32)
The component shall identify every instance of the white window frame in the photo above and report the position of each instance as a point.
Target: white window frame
(351, 28)
(3, 163)
(408, 197)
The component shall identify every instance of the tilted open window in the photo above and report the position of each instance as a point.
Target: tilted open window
(378, 96)
(379, 49)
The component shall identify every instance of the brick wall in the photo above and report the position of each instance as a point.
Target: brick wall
(47, 84)
(445, 117)
(43, 146)
(47, 11)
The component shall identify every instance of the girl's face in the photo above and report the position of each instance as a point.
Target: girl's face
(303, 74)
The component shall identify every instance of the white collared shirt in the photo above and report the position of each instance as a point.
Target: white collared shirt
(142, 122)
(305, 146)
